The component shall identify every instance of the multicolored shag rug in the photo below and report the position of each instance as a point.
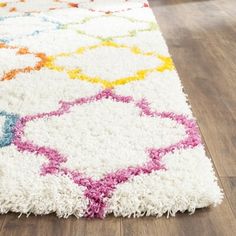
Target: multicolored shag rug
(93, 119)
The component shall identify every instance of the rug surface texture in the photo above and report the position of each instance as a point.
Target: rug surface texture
(93, 119)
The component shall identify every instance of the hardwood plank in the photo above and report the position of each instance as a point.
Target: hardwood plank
(228, 7)
(42, 226)
(206, 222)
(203, 47)
(149, 226)
(229, 184)
(110, 226)
(2, 219)
(51, 225)
(213, 113)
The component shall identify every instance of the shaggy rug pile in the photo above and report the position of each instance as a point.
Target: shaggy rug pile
(93, 119)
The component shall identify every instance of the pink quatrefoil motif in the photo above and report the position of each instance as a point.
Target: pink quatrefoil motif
(99, 191)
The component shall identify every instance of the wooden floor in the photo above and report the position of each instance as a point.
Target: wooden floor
(201, 35)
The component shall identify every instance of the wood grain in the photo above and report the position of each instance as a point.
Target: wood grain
(2, 219)
(229, 184)
(201, 36)
(205, 222)
(202, 41)
(42, 225)
(108, 227)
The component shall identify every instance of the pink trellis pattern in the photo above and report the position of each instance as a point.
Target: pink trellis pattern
(99, 191)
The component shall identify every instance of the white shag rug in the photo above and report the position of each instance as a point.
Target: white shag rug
(93, 119)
